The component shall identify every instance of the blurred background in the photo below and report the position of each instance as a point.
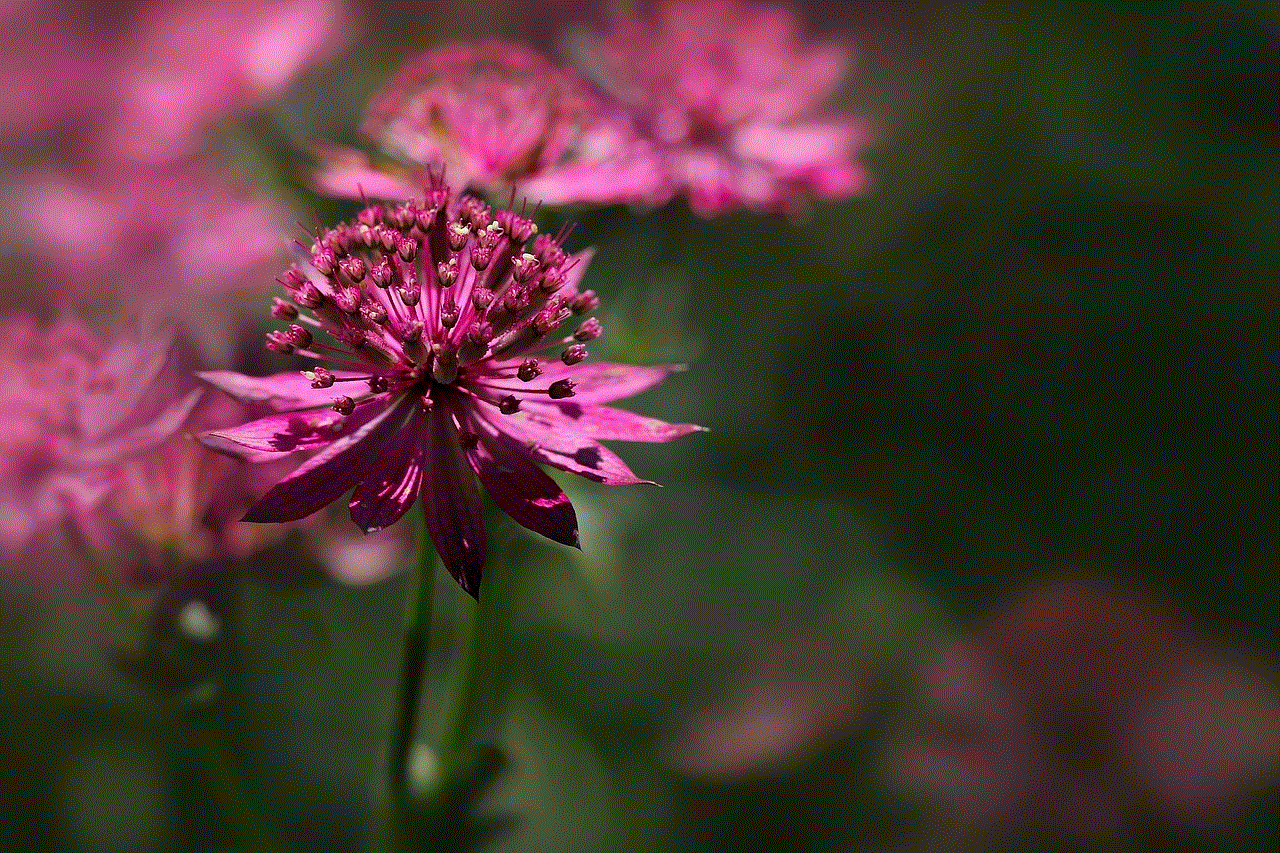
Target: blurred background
(979, 553)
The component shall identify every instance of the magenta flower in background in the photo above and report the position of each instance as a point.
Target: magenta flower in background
(735, 97)
(494, 117)
(71, 413)
(171, 243)
(1081, 708)
(183, 67)
(439, 321)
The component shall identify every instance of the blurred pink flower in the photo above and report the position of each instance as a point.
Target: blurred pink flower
(1079, 708)
(797, 696)
(436, 311)
(735, 98)
(71, 413)
(495, 117)
(185, 66)
(171, 243)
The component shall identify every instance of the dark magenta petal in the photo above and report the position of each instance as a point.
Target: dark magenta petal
(283, 391)
(386, 494)
(323, 478)
(605, 423)
(545, 440)
(603, 382)
(451, 504)
(521, 489)
(292, 431)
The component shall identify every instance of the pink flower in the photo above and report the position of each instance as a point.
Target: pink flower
(798, 695)
(184, 66)
(495, 116)
(734, 96)
(1079, 708)
(438, 313)
(70, 414)
(170, 243)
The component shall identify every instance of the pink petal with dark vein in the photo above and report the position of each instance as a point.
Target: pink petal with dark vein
(289, 432)
(605, 423)
(284, 391)
(121, 381)
(545, 441)
(451, 505)
(521, 489)
(323, 478)
(602, 382)
(386, 494)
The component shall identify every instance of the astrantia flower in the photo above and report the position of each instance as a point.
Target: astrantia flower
(439, 321)
(70, 414)
(494, 116)
(735, 96)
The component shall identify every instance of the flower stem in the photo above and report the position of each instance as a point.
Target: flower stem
(457, 732)
(126, 612)
(417, 625)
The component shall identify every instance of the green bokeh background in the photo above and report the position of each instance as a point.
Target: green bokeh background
(1046, 337)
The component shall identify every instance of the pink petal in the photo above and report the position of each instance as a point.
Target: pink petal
(451, 505)
(289, 432)
(602, 382)
(323, 478)
(283, 391)
(605, 423)
(544, 440)
(387, 493)
(348, 173)
(522, 490)
(144, 437)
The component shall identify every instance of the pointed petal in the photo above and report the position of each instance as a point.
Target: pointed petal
(123, 378)
(289, 432)
(605, 423)
(521, 489)
(600, 382)
(283, 391)
(544, 440)
(144, 437)
(323, 478)
(387, 493)
(451, 504)
(349, 173)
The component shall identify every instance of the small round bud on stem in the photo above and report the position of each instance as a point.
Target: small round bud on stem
(529, 370)
(508, 405)
(561, 388)
(574, 354)
(344, 405)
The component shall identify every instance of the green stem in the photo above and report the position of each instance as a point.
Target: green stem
(126, 612)
(413, 665)
(457, 733)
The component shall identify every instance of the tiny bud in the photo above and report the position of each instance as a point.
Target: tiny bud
(449, 312)
(585, 302)
(344, 405)
(324, 260)
(410, 295)
(490, 236)
(320, 377)
(282, 310)
(524, 268)
(574, 354)
(309, 296)
(480, 257)
(278, 341)
(298, 336)
(588, 331)
(458, 234)
(353, 268)
(552, 281)
(560, 389)
(482, 299)
(348, 299)
(407, 249)
(374, 313)
(378, 384)
(447, 272)
(380, 274)
(529, 370)
(412, 331)
(508, 405)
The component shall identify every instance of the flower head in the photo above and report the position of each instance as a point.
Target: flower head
(439, 320)
(496, 116)
(70, 413)
(733, 94)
